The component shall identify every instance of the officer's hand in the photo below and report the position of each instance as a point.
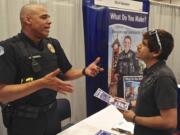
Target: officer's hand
(93, 69)
(52, 82)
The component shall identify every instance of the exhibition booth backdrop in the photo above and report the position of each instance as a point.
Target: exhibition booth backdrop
(96, 31)
(68, 28)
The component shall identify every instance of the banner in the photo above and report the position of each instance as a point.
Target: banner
(125, 33)
(128, 4)
(96, 23)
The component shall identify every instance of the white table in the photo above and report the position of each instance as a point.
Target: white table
(104, 119)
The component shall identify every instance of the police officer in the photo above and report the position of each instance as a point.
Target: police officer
(127, 65)
(33, 69)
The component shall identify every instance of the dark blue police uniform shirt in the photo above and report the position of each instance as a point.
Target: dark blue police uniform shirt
(16, 64)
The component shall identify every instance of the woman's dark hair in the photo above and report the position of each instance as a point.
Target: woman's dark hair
(160, 40)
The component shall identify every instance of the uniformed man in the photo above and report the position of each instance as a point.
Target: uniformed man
(127, 65)
(33, 69)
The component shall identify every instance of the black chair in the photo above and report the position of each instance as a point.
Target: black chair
(64, 110)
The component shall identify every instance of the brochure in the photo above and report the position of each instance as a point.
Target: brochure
(120, 104)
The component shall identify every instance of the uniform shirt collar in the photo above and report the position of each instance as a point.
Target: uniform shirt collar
(26, 39)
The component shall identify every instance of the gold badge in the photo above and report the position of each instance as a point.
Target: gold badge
(51, 48)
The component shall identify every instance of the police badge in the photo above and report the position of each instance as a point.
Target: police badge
(51, 48)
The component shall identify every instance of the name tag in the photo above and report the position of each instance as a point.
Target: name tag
(34, 57)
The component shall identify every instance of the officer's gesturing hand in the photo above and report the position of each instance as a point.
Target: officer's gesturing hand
(93, 69)
(52, 82)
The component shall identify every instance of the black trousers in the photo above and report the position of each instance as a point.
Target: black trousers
(47, 123)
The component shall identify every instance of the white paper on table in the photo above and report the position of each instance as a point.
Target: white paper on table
(124, 125)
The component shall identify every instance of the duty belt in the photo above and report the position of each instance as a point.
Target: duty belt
(30, 111)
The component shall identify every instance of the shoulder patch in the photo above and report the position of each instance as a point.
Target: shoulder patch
(1, 50)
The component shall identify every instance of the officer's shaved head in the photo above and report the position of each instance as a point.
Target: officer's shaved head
(29, 10)
(35, 21)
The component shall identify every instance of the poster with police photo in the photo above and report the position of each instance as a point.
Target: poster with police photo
(125, 33)
(131, 86)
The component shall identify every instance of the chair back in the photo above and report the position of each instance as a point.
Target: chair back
(64, 108)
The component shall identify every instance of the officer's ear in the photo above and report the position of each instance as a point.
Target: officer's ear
(27, 19)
